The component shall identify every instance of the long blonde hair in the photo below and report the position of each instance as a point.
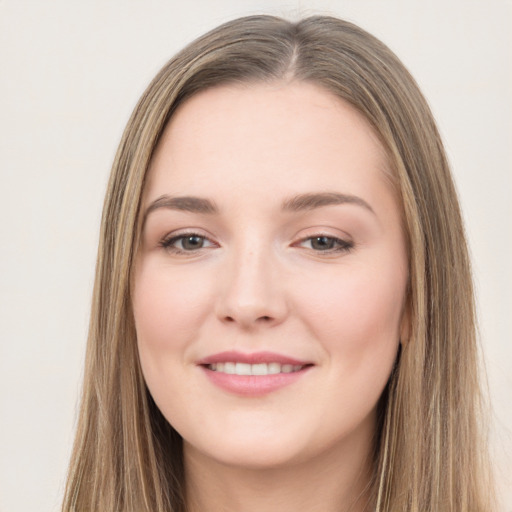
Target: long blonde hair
(429, 454)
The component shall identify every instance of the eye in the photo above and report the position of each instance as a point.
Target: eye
(323, 243)
(186, 243)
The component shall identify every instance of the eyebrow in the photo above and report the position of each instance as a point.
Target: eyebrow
(298, 203)
(303, 202)
(185, 204)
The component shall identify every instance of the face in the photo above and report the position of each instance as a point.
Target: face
(269, 289)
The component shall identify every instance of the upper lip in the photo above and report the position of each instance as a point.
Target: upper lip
(252, 358)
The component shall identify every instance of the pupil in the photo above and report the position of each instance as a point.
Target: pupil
(192, 242)
(322, 243)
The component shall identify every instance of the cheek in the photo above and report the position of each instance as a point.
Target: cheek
(167, 306)
(356, 313)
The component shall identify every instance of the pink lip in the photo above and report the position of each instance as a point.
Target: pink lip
(252, 385)
(254, 358)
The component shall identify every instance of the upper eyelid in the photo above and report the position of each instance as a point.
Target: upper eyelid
(339, 240)
(178, 236)
(327, 233)
(324, 235)
(187, 232)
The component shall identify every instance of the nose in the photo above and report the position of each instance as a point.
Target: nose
(252, 293)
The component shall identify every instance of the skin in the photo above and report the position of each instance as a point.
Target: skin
(260, 281)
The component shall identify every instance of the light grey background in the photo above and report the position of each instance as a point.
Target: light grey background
(70, 74)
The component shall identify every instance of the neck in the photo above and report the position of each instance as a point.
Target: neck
(332, 482)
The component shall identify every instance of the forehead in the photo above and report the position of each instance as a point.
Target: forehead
(295, 135)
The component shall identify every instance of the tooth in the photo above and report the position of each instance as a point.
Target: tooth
(254, 369)
(259, 369)
(229, 368)
(243, 369)
(274, 368)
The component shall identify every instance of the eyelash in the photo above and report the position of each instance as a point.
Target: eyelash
(339, 244)
(168, 243)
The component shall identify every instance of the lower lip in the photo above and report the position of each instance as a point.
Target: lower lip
(253, 385)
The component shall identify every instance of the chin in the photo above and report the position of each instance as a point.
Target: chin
(250, 458)
(263, 449)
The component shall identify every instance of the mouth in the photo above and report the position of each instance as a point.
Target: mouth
(274, 368)
(253, 374)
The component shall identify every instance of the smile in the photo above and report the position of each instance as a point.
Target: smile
(254, 374)
(232, 368)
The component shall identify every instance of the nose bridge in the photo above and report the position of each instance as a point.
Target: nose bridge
(252, 292)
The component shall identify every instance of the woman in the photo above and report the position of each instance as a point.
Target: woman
(283, 312)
